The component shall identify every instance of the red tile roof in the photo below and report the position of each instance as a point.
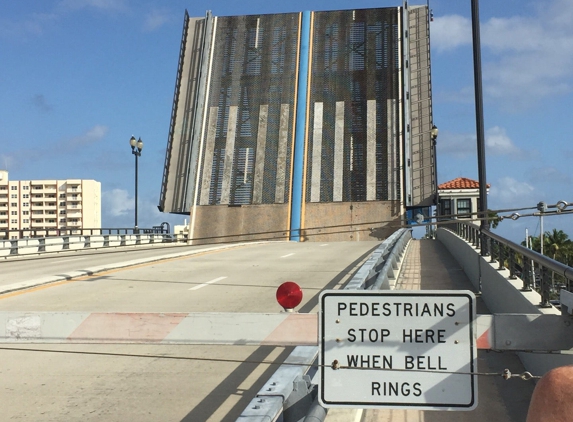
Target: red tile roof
(461, 183)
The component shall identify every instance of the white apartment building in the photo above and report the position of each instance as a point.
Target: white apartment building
(38, 208)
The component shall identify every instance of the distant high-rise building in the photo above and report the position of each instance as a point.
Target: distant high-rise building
(32, 208)
(312, 125)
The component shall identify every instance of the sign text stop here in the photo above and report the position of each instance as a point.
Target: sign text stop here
(398, 349)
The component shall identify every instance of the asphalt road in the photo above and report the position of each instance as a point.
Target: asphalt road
(157, 382)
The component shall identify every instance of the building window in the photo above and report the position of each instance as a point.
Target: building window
(26, 220)
(464, 207)
(14, 212)
(62, 196)
(62, 204)
(26, 204)
(14, 221)
(25, 196)
(2, 212)
(62, 211)
(25, 212)
(26, 187)
(14, 196)
(14, 187)
(445, 207)
(13, 204)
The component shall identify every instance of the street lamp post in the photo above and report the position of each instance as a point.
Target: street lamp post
(479, 125)
(136, 147)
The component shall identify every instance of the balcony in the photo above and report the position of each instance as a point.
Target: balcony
(73, 206)
(73, 189)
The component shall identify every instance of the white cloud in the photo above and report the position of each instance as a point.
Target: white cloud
(94, 134)
(6, 161)
(117, 203)
(155, 19)
(462, 145)
(449, 32)
(507, 192)
(525, 58)
(498, 143)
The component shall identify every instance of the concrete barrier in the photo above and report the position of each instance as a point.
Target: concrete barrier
(502, 295)
(29, 246)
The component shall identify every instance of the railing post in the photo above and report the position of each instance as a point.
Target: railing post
(545, 288)
(501, 256)
(512, 275)
(527, 275)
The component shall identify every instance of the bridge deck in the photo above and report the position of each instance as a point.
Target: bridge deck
(429, 266)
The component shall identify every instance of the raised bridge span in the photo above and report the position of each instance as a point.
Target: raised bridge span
(150, 382)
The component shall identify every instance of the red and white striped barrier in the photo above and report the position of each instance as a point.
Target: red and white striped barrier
(499, 331)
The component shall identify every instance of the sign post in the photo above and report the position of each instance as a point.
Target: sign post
(398, 349)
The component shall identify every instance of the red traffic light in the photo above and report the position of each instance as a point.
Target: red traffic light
(289, 295)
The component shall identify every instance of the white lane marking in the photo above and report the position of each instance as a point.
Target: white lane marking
(207, 283)
(326, 244)
(286, 256)
(358, 415)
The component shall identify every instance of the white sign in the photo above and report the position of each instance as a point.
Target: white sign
(398, 349)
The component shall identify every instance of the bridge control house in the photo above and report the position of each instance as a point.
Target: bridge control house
(307, 126)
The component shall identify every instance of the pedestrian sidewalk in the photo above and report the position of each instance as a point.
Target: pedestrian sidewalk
(428, 265)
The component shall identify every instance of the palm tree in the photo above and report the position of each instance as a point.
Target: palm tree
(557, 243)
(493, 219)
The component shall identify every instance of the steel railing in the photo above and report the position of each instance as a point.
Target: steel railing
(537, 271)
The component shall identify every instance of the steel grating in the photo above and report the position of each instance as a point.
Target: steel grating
(354, 91)
(252, 90)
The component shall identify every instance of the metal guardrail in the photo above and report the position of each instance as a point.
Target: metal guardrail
(290, 394)
(66, 240)
(537, 271)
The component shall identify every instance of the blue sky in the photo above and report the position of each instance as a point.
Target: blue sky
(79, 77)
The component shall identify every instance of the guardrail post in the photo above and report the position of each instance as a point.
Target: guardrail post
(42, 245)
(66, 240)
(106, 240)
(138, 239)
(296, 405)
(87, 243)
(122, 241)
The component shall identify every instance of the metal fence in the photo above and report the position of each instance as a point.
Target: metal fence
(537, 271)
